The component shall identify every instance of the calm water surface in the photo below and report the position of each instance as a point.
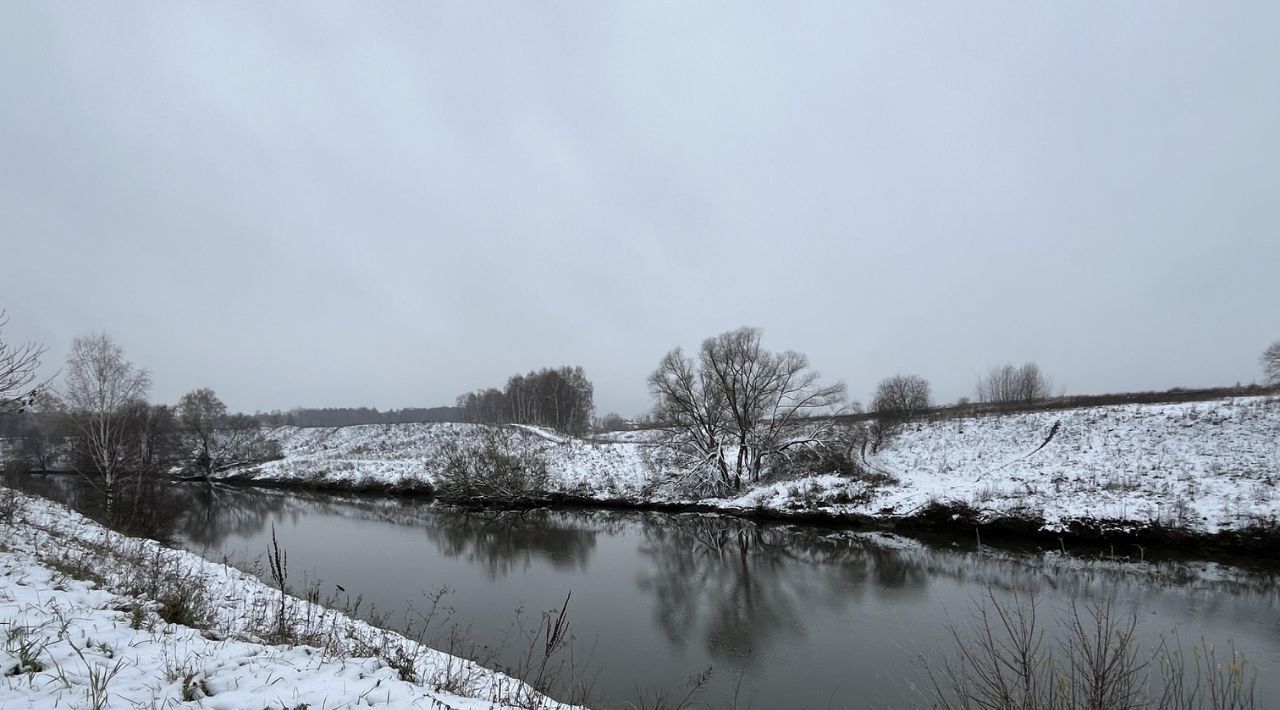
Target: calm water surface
(792, 617)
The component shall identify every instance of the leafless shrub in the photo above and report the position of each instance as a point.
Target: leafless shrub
(491, 469)
(10, 505)
(181, 594)
(1005, 663)
(278, 563)
(548, 663)
(663, 700)
(1210, 682)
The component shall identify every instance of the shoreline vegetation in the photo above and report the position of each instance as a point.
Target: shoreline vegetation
(735, 428)
(1200, 475)
(954, 521)
(91, 616)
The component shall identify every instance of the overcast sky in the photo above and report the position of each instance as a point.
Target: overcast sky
(388, 204)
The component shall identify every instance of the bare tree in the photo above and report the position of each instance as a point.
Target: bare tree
(219, 442)
(18, 365)
(898, 399)
(1008, 383)
(691, 409)
(44, 436)
(901, 397)
(740, 406)
(101, 390)
(1271, 363)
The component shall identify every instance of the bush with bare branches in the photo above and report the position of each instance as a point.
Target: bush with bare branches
(491, 468)
(1005, 663)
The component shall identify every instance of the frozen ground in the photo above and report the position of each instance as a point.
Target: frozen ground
(1207, 466)
(77, 633)
(406, 455)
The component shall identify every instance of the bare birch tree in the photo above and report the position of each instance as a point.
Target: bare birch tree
(1271, 363)
(741, 407)
(101, 391)
(18, 366)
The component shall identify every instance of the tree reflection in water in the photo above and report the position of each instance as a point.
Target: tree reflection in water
(216, 513)
(740, 586)
(506, 541)
(801, 609)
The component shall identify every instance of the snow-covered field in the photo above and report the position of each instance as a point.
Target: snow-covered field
(1210, 466)
(1206, 466)
(408, 455)
(76, 633)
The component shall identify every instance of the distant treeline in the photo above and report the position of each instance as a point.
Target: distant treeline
(561, 398)
(349, 416)
(1175, 395)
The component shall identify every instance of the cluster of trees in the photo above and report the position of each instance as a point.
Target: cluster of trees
(737, 408)
(901, 398)
(350, 416)
(101, 424)
(219, 441)
(1008, 384)
(561, 398)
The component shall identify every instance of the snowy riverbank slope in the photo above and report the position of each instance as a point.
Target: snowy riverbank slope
(409, 455)
(1209, 466)
(1205, 466)
(79, 630)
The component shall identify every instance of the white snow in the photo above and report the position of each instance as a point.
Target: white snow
(90, 646)
(1208, 466)
(409, 454)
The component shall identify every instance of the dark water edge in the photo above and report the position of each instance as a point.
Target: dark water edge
(802, 615)
(949, 522)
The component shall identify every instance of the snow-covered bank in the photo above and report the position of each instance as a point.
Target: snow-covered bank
(1209, 466)
(1205, 467)
(409, 456)
(90, 618)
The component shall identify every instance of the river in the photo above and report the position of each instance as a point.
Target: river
(784, 616)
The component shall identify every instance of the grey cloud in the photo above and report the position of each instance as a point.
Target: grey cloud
(330, 204)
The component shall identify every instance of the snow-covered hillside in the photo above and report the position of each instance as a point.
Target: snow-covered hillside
(1207, 466)
(409, 455)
